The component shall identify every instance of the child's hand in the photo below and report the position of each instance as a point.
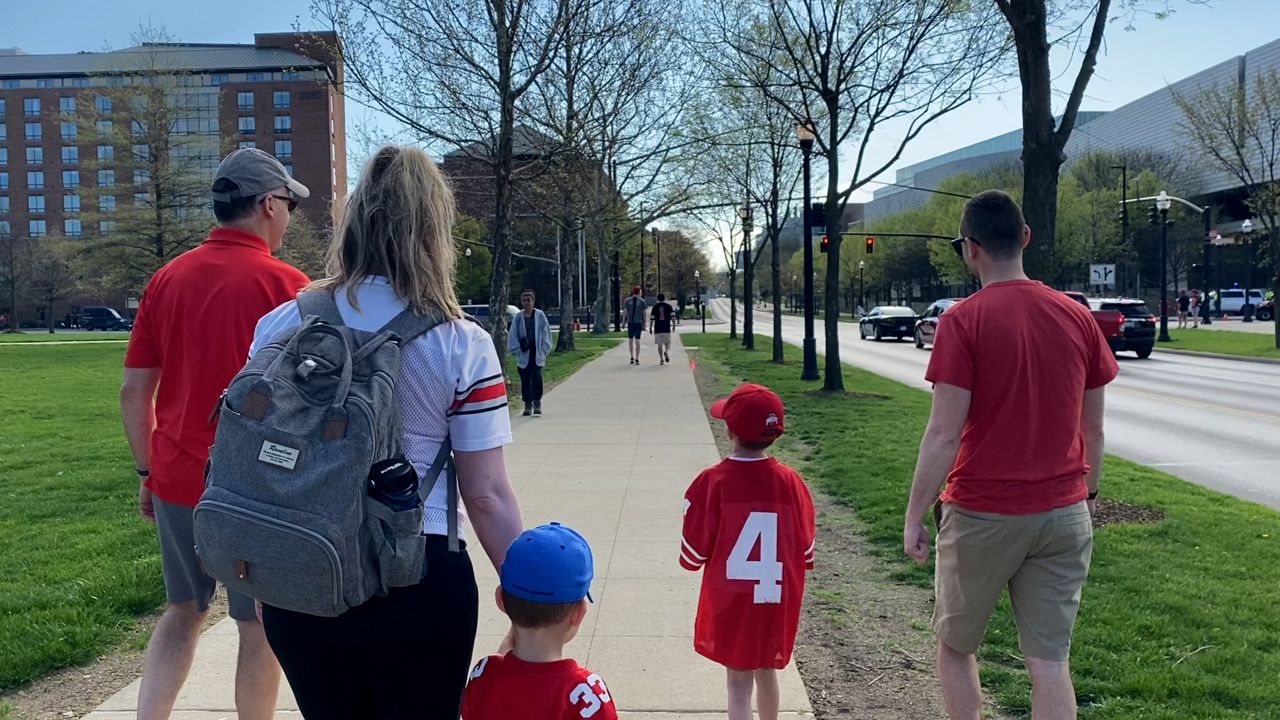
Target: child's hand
(508, 643)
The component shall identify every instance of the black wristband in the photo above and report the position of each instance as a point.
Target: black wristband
(143, 473)
(1093, 495)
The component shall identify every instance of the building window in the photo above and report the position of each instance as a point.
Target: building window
(80, 82)
(4, 155)
(280, 99)
(35, 204)
(106, 178)
(140, 199)
(30, 106)
(248, 144)
(11, 84)
(291, 76)
(136, 128)
(37, 228)
(70, 179)
(69, 131)
(35, 180)
(4, 131)
(218, 79)
(247, 125)
(71, 228)
(142, 152)
(106, 227)
(106, 153)
(104, 127)
(67, 104)
(289, 169)
(284, 149)
(32, 131)
(4, 181)
(284, 123)
(2, 106)
(244, 101)
(70, 154)
(70, 203)
(35, 156)
(107, 203)
(255, 77)
(4, 203)
(141, 177)
(102, 104)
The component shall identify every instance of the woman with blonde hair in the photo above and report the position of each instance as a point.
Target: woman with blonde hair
(407, 654)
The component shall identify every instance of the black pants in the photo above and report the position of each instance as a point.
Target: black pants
(403, 656)
(531, 383)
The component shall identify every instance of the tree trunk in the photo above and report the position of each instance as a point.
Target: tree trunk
(748, 312)
(568, 270)
(600, 309)
(833, 372)
(500, 279)
(775, 262)
(733, 305)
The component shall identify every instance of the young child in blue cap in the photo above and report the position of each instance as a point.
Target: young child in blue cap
(545, 589)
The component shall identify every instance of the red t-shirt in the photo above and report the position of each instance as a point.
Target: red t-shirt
(749, 525)
(195, 323)
(1027, 353)
(503, 687)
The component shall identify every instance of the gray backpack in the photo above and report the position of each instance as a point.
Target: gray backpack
(286, 516)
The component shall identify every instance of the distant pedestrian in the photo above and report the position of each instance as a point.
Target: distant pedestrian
(634, 310)
(191, 335)
(1184, 306)
(1193, 308)
(4, 321)
(749, 499)
(530, 339)
(1016, 435)
(660, 319)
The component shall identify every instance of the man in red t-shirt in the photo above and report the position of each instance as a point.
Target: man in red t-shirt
(1019, 373)
(192, 334)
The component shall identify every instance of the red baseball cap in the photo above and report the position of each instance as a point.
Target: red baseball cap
(754, 413)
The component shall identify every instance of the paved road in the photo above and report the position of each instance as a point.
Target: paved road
(1212, 422)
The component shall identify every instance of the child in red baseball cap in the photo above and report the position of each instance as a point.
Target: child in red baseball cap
(749, 526)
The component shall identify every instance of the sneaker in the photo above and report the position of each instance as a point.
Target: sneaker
(528, 410)
(537, 408)
(661, 361)
(668, 357)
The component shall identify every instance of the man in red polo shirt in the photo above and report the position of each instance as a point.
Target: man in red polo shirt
(1019, 373)
(191, 336)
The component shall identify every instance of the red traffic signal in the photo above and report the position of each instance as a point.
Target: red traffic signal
(824, 243)
(871, 244)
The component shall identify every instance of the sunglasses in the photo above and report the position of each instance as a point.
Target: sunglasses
(293, 204)
(958, 244)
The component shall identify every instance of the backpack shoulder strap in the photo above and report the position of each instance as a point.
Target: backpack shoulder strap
(409, 324)
(444, 463)
(321, 304)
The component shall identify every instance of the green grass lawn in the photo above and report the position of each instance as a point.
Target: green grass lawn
(28, 336)
(1179, 619)
(1227, 342)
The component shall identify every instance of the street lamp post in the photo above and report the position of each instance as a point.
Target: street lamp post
(862, 299)
(1124, 207)
(468, 254)
(640, 237)
(1162, 204)
(1246, 310)
(617, 282)
(657, 242)
(748, 341)
(806, 136)
(702, 309)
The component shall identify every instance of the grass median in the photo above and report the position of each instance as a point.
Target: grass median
(1178, 618)
(43, 336)
(1226, 342)
(77, 564)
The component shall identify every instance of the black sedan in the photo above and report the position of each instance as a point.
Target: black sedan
(888, 321)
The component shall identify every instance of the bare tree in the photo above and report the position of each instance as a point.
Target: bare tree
(850, 68)
(1237, 128)
(14, 270)
(456, 74)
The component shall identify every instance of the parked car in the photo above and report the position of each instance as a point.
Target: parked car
(927, 325)
(101, 317)
(887, 321)
(481, 314)
(1126, 323)
(1233, 299)
(1267, 310)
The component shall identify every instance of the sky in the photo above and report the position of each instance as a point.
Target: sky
(1133, 63)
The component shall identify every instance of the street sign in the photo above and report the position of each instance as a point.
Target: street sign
(1102, 275)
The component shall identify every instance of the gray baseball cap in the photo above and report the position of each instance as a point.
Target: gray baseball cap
(254, 172)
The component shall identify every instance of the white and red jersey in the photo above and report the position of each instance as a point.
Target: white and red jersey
(503, 687)
(749, 526)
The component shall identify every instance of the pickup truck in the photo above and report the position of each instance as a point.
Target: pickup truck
(1125, 322)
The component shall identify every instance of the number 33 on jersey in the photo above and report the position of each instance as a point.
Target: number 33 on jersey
(749, 526)
(504, 687)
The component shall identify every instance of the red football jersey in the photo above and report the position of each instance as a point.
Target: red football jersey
(749, 525)
(504, 687)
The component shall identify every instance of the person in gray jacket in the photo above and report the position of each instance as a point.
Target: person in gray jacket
(530, 339)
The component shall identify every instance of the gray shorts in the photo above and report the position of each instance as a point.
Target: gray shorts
(184, 577)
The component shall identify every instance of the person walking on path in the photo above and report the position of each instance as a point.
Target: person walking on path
(405, 655)
(748, 499)
(530, 340)
(634, 311)
(660, 319)
(1193, 308)
(1184, 306)
(1016, 434)
(191, 336)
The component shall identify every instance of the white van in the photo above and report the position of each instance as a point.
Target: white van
(1233, 299)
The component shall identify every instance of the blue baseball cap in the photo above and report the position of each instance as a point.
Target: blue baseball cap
(549, 564)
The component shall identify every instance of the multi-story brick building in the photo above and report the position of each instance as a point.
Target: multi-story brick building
(281, 94)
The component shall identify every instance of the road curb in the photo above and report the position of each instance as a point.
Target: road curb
(1220, 356)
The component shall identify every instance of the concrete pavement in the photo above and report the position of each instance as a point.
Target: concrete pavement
(612, 457)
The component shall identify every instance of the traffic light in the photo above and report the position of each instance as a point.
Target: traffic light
(871, 244)
(1153, 215)
(1123, 215)
(824, 244)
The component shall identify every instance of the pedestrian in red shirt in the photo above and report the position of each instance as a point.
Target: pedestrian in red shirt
(191, 335)
(1019, 373)
(749, 526)
(545, 589)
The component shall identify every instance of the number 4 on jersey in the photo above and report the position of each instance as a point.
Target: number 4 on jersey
(765, 572)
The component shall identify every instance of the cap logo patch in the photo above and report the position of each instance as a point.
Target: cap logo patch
(771, 421)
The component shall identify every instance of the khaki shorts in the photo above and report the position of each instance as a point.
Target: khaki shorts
(1043, 559)
(662, 339)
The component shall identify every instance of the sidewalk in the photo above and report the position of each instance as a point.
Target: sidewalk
(611, 458)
